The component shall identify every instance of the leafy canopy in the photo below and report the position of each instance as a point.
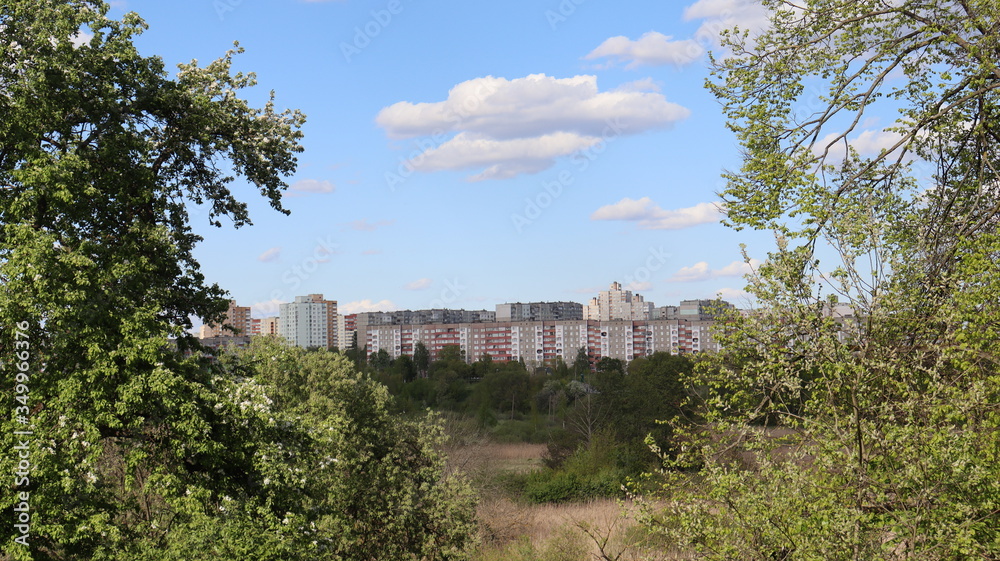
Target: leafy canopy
(853, 414)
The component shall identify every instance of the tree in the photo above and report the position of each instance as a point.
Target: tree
(421, 358)
(369, 484)
(865, 431)
(581, 364)
(136, 450)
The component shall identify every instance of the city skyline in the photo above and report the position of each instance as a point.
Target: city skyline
(460, 156)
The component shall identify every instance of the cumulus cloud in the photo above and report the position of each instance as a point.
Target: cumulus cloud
(365, 226)
(719, 15)
(366, 306)
(270, 255)
(867, 143)
(266, 308)
(312, 186)
(652, 49)
(507, 127)
(734, 296)
(636, 286)
(701, 271)
(651, 217)
(419, 284)
(81, 38)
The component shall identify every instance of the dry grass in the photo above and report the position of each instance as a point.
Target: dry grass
(489, 456)
(573, 531)
(515, 531)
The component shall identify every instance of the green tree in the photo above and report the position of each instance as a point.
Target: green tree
(102, 154)
(138, 451)
(870, 436)
(368, 484)
(380, 360)
(421, 358)
(581, 364)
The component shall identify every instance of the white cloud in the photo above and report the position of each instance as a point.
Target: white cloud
(652, 49)
(267, 308)
(735, 296)
(636, 286)
(867, 143)
(502, 158)
(651, 217)
(270, 255)
(312, 186)
(419, 284)
(81, 38)
(643, 85)
(719, 15)
(701, 271)
(366, 306)
(511, 127)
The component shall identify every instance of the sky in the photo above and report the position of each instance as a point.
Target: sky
(467, 154)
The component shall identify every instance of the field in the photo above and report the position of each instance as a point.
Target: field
(512, 529)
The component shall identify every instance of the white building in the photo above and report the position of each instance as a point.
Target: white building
(618, 304)
(309, 321)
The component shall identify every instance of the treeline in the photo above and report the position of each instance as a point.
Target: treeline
(598, 424)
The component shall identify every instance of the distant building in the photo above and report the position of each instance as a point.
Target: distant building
(542, 342)
(237, 322)
(309, 321)
(694, 310)
(618, 304)
(265, 326)
(539, 311)
(420, 317)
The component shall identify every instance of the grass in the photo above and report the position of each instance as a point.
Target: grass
(512, 530)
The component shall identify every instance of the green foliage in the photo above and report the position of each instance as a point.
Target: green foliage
(871, 436)
(366, 483)
(138, 450)
(593, 471)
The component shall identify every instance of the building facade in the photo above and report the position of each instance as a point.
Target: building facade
(543, 342)
(618, 304)
(309, 321)
(237, 322)
(539, 311)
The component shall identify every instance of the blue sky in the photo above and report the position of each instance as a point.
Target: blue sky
(465, 154)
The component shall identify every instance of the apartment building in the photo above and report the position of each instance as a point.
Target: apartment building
(309, 321)
(539, 311)
(543, 342)
(264, 326)
(618, 304)
(237, 322)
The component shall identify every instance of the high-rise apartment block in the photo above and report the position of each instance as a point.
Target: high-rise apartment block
(695, 310)
(265, 326)
(618, 304)
(541, 342)
(309, 321)
(539, 311)
(235, 323)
